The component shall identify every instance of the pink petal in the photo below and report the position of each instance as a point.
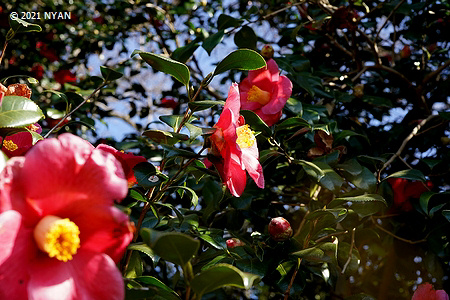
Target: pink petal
(270, 119)
(250, 105)
(441, 295)
(23, 140)
(16, 250)
(245, 85)
(104, 230)
(87, 276)
(273, 69)
(281, 94)
(66, 172)
(236, 178)
(233, 102)
(250, 160)
(262, 78)
(11, 191)
(424, 291)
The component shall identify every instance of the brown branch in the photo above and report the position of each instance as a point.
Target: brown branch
(291, 283)
(330, 235)
(335, 43)
(373, 46)
(387, 19)
(405, 141)
(350, 252)
(3, 51)
(397, 237)
(434, 74)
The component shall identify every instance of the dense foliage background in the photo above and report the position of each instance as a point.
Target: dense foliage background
(370, 101)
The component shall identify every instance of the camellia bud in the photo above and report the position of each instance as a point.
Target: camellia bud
(267, 52)
(234, 242)
(279, 229)
(358, 90)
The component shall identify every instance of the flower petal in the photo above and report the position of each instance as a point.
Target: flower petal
(74, 174)
(104, 229)
(262, 78)
(236, 178)
(16, 250)
(280, 95)
(250, 160)
(273, 69)
(88, 276)
(11, 193)
(233, 101)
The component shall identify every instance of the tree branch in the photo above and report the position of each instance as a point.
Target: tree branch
(387, 19)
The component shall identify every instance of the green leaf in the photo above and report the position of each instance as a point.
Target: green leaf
(219, 276)
(21, 26)
(182, 54)
(446, 214)
(345, 134)
(169, 66)
(444, 115)
(330, 180)
(342, 254)
(144, 248)
(326, 252)
(311, 84)
(410, 174)
(256, 123)
(110, 74)
(363, 205)
(202, 105)
(212, 41)
(292, 123)
(147, 176)
(424, 200)
(364, 180)
(17, 111)
(351, 166)
(362, 198)
(174, 121)
(175, 247)
(165, 137)
(295, 106)
(152, 281)
(246, 38)
(226, 21)
(194, 197)
(195, 131)
(135, 266)
(311, 169)
(242, 59)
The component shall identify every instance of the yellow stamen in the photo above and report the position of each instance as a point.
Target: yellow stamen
(60, 238)
(255, 94)
(245, 139)
(10, 146)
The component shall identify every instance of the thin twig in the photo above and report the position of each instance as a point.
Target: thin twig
(434, 74)
(387, 19)
(3, 51)
(397, 237)
(405, 141)
(75, 109)
(330, 235)
(350, 252)
(288, 290)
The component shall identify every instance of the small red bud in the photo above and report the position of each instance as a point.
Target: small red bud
(279, 229)
(267, 52)
(234, 242)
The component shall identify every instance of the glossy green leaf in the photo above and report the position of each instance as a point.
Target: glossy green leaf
(424, 200)
(152, 281)
(175, 247)
(446, 214)
(326, 252)
(165, 137)
(292, 123)
(295, 106)
(363, 205)
(242, 59)
(226, 21)
(169, 66)
(365, 180)
(110, 74)
(147, 175)
(21, 26)
(345, 134)
(410, 174)
(246, 38)
(202, 105)
(219, 276)
(174, 121)
(191, 192)
(327, 177)
(256, 123)
(17, 111)
(183, 54)
(212, 41)
(135, 266)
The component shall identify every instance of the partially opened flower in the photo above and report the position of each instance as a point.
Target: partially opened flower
(265, 92)
(404, 190)
(61, 236)
(426, 291)
(128, 161)
(19, 143)
(235, 148)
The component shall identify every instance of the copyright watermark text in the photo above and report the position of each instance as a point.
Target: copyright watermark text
(36, 15)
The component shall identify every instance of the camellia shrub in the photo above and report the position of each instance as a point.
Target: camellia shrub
(310, 162)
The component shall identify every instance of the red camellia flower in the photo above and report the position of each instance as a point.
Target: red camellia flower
(127, 160)
(279, 229)
(19, 143)
(235, 146)
(168, 102)
(265, 92)
(426, 291)
(404, 190)
(38, 71)
(61, 236)
(63, 76)
(50, 54)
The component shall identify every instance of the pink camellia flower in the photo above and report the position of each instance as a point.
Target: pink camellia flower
(235, 146)
(234, 242)
(128, 161)
(265, 92)
(426, 291)
(60, 235)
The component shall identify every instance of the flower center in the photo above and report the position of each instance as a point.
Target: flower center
(255, 94)
(57, 237)
(33, 127)
(10, 146)
(245, 138)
